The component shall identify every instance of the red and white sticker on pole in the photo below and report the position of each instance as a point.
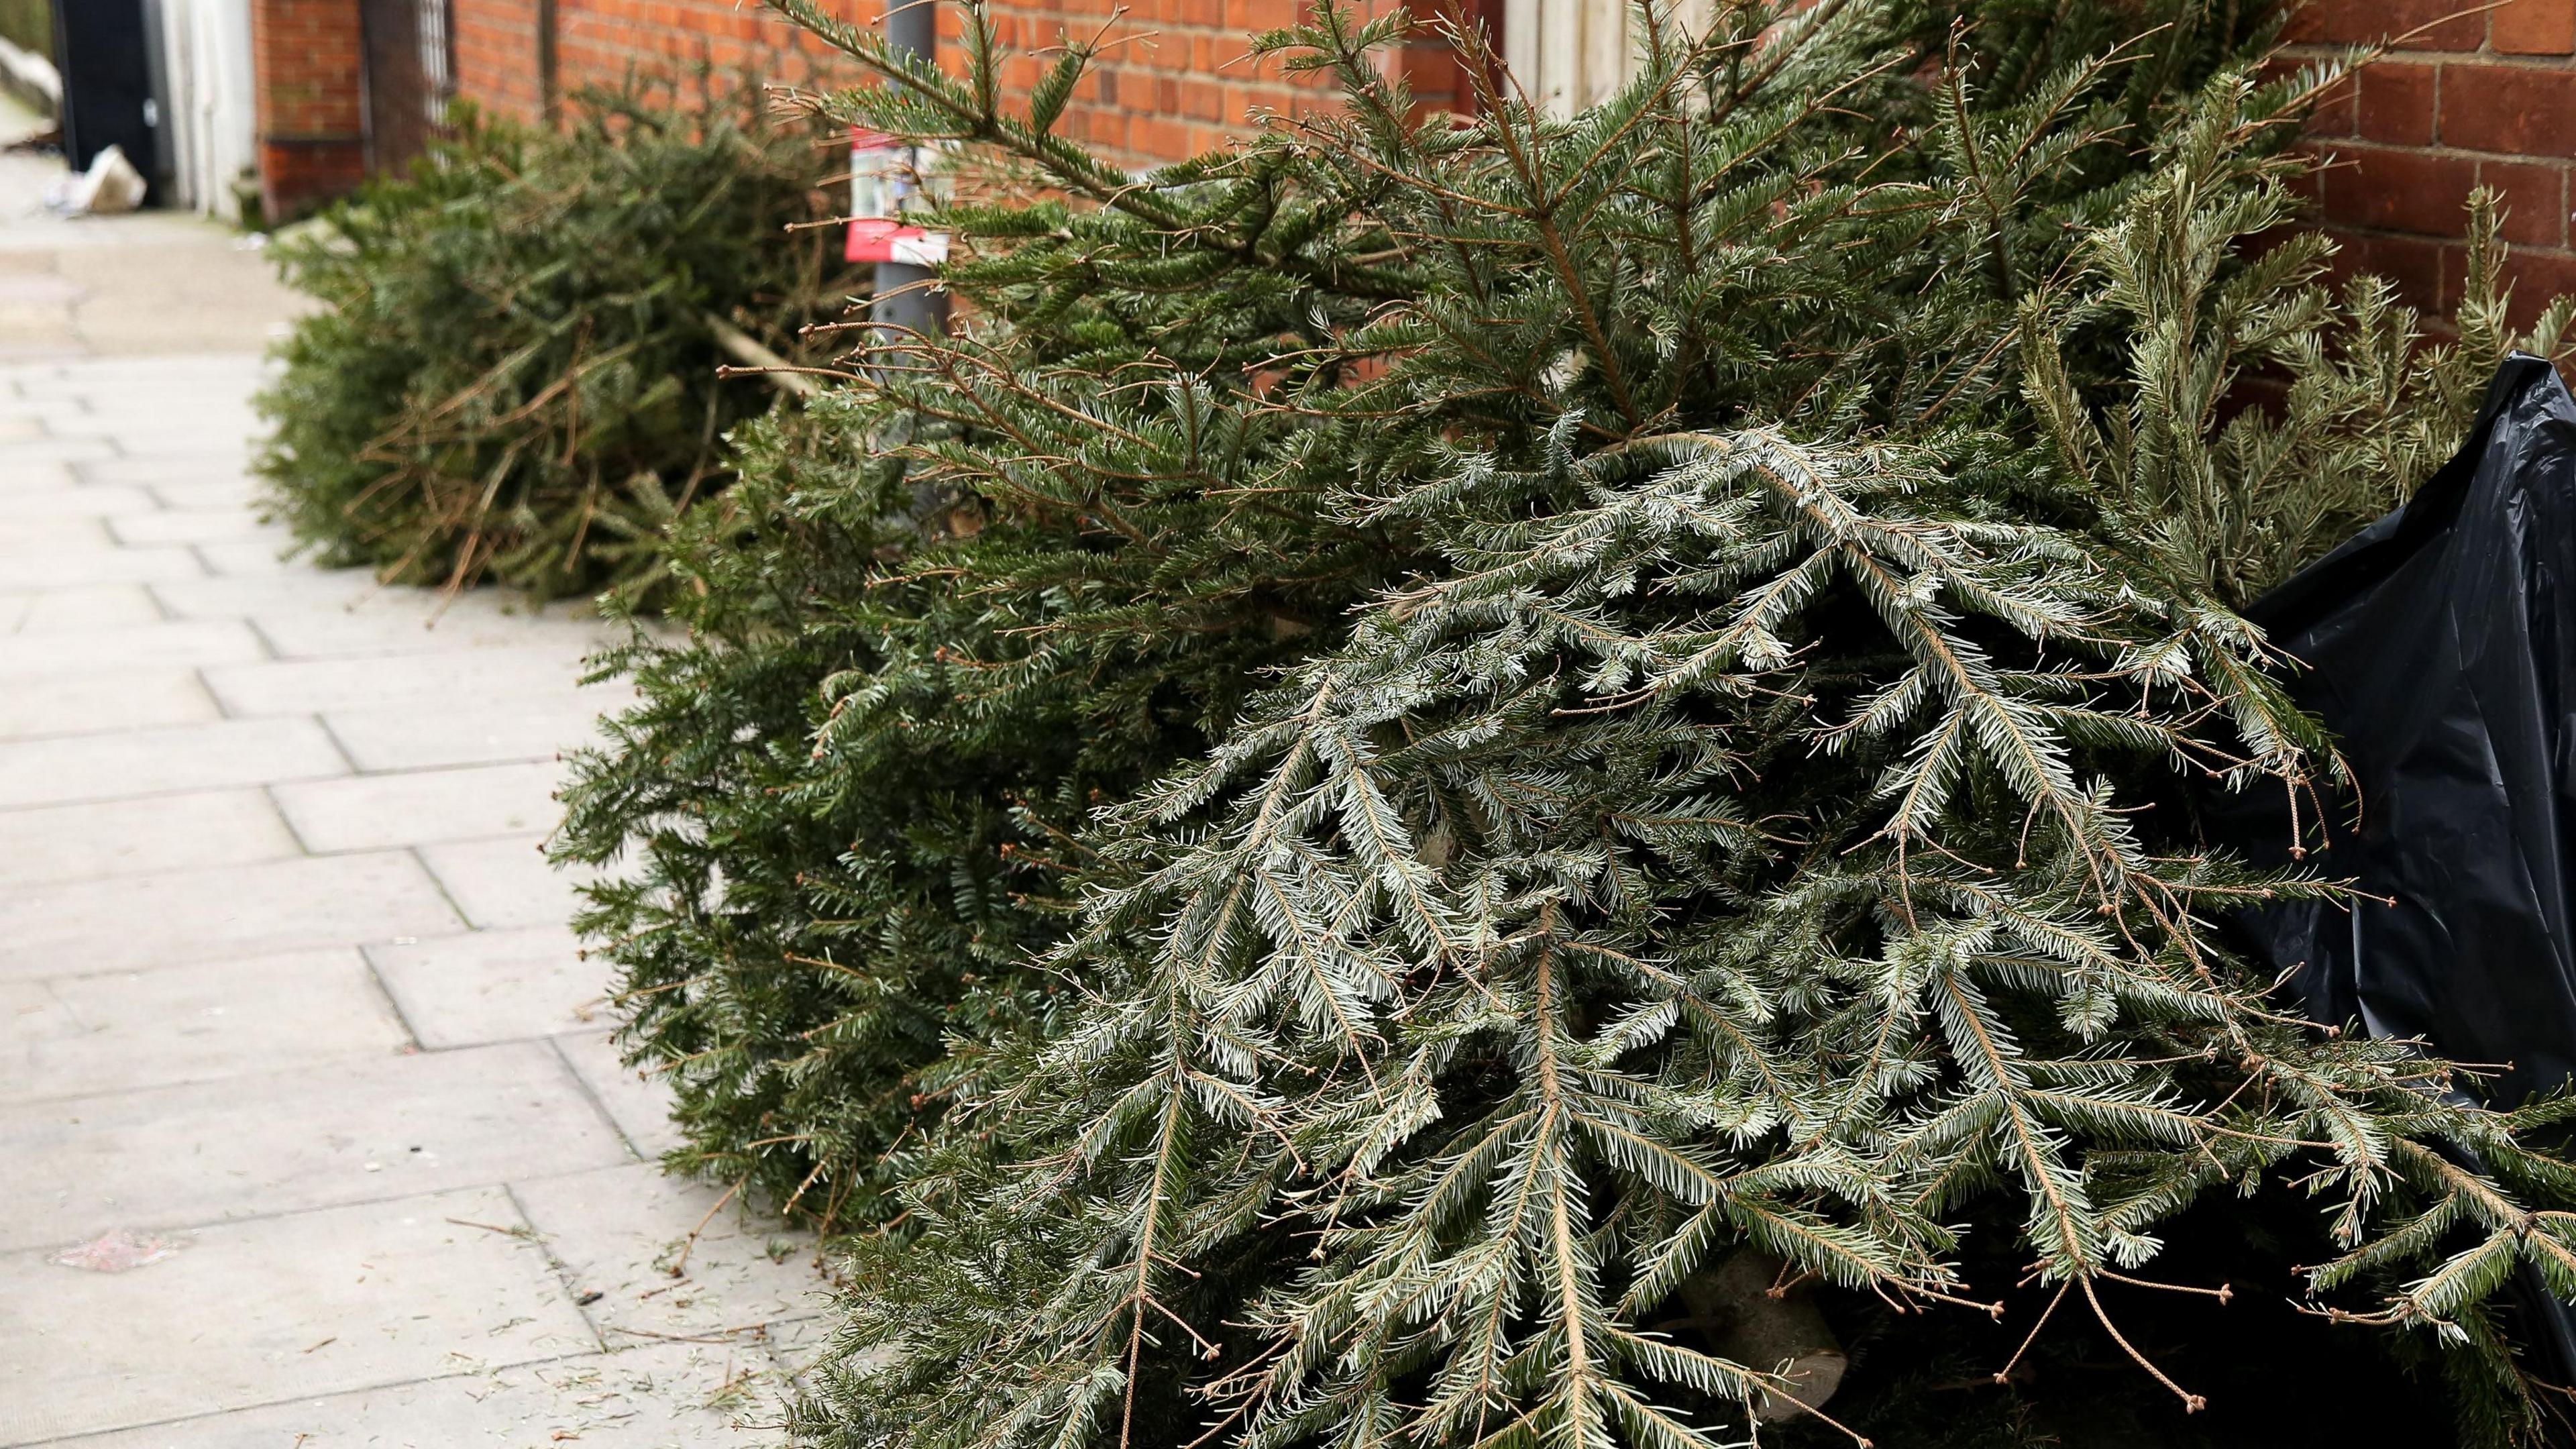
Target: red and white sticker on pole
(888, 180)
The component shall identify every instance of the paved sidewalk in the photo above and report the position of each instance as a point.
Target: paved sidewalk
(310, 1134)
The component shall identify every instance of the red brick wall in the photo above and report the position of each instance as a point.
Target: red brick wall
(312, 134)
(1174, 82)
(1177, 80)
(600, 41)
(2477, 99)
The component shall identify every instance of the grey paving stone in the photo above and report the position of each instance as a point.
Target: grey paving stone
(158, 471)
(475, 733)
(505, 883)
(25, 475)
(29, 1016)
(193, 525)
(46, 566)
(246, 558)
(193, 1041)
(295, 591)
(663, 1396)
(215, 429)
(797, 1345)
(637, 1101)
(671, 1257)
(403, 622)
(135, 762)
(79, 927)
(358, 1130)
(35, 611)
(421, 807)
(58, 450)
(289, 1308)
(127, 1030)
(209, 492)
(77, 703)
(18, 409)
(65, 499)
(108, 383)
(56, 530)
(189, 642)
(41, 845)
(307, 686)
(489, 986)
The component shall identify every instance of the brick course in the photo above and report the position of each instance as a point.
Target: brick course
(1175, 81)
(2466, 100)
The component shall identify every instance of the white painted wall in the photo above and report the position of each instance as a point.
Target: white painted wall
(1567, 54)
(212, 127)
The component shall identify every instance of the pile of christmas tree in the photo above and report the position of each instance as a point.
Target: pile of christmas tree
(1528, 780)
(514, 374)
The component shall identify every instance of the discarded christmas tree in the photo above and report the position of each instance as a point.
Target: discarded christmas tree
(975, 593)
(514, 372)
(1749, 824)
(950, 608)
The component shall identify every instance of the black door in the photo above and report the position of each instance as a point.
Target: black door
(104, 49)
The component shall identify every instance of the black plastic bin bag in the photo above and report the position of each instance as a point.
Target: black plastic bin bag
(2440, 646)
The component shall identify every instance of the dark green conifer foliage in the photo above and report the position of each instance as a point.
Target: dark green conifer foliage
(1729, 823)
(952, 607)
(1088, 526)
(513, 373)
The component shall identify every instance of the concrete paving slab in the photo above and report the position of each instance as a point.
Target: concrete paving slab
(35, 475)
(13, 405)
(29, 1016)
(638, 1101)
(50, 843)
(297, 591)
(500, 884)
(421, 807)
(194, 525)
(233, 1105)
(104, 703)
(112, 380)
(175, 296)
(358, 1130)
(212, 432)
(670, 1257)
(475, 733)
(38, 451)
(133, 762)
(240, 493)
(291, 1307)
(63, 498)
(76, 928)
(157, 472)
(492, 986)
(56, 530)
(51, 566)
(128, 1030)
(409, 621)
(39, 611)
(247, 558)
(189, 642)
(307, 686)
(664, 1396)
